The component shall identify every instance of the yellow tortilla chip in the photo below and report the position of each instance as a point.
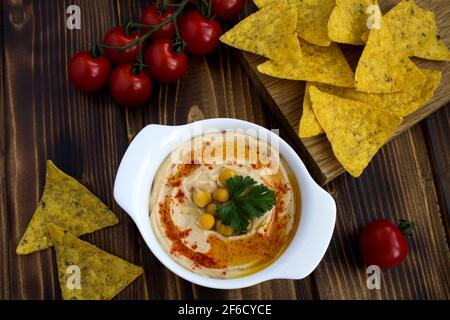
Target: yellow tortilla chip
(318, 64)
(102, 275)
(415, 31)
(309, 127)
(263, 3)
(365, 36)
(382, 68)
(355, 130)
(374, 99)
(348, 21)
(419, 90)
(420, 87)
(68, 204)
(312, 18)
(269, 32)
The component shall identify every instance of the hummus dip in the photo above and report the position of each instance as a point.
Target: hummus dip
(175, 216)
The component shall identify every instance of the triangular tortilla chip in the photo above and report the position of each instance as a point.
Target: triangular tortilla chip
(420, 88)
(68, 204)
(102, 275)
(319, 64)
(348, 21)
(262, 3)
(414, 30)
(312, 18)
(382, 68)
(269, 32)
(355, 130)
(309, 127)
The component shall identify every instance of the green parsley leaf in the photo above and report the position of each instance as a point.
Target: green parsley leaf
(247, 201)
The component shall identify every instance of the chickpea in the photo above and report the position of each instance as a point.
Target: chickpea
(201, 198)
(211, 208)
(206, 221)
(221, 195)
(224, 229)
(225, 174)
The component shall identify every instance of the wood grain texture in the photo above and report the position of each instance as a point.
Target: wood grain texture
(48, 119)
(43, 117)
(213, 87)
(4, 273)
(287, 96)
(437, 136)
(399, 185)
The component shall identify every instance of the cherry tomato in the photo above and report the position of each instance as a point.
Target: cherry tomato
(200, 34)
(117, 37)
(382, 243)
(227, 9)
(164, 64)
(88, 73)
(130, 88)
(153, 15)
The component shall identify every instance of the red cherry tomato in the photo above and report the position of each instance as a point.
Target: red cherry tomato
(153, 15)
(200, 34)
(88, 73)
(164, 64)
(383, 244)
(129, 88)
(227, 9)
(117, 37)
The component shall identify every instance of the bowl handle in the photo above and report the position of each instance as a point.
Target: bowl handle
(138, 167)
(317, 230)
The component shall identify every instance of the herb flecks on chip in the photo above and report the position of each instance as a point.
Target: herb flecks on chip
(248, 200)
(68, 204)
(309, 127)
(269, 32)
(382, 68)
(102, 275)
(355, 130)
(415, 31)
(312, 18)
(348, 21)
(317, 64)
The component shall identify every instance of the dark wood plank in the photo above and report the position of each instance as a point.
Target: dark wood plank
(437, 136)
(398, 184)
(49, 119)
(213, 87)
(42, 116)
(4, 256)
(285, 97)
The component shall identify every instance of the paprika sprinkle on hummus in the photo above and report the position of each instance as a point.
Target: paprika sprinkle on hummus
(229, 218)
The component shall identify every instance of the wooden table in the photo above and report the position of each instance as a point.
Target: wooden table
(44, 117)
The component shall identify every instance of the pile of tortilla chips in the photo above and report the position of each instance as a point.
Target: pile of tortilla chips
(68, 210)
(357, 110)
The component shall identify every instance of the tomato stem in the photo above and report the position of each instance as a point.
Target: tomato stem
(139, 66)
(96, 51)
(173, 17)
(406, 227)
(178, 45)
(131, 27)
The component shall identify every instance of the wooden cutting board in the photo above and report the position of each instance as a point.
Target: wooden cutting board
(285, 97)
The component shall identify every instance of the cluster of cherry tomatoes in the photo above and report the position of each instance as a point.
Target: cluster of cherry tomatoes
(154, 48)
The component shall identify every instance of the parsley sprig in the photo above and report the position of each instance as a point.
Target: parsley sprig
(247, 201)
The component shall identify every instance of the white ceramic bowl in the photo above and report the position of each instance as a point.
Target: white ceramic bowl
(155, 142)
